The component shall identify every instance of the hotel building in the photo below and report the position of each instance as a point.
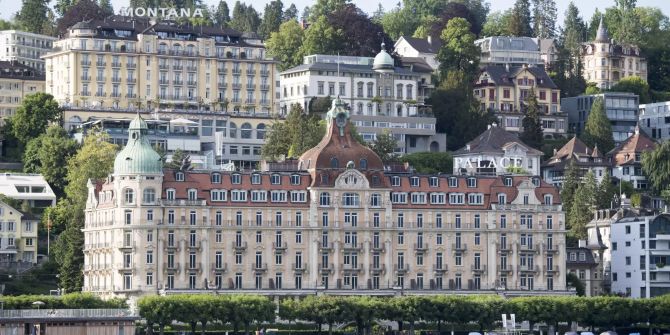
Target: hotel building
(25, 48)
(335, 221)
(215, 77)
(381, 96)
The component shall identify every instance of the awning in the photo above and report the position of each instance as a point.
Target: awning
(183, 122)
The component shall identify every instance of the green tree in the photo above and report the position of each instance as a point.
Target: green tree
(34, 115)
(32, 14)
(532, 125)
(74, 11)
(93, 161)
(399, 21)
(544, 18)
(294, 136)
(324, 8)
(458, 53)
(570, 184)
(582, 207)
(497, 23)
(628, 29)
(430, 162)
(245, 18)
(656, 166)
(384, 146)
(519, 25)
(285, 45)
(598, 130)
(572, 280)
(606, 191)
(634, 84)
(222, 14)
(321, 38)
(360, 36)
(291, 13)
(573, 29)
(592, 88)
(48, 155)
(273, 16)
(180, 161)
(106, 6)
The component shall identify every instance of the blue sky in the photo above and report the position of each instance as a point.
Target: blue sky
(9, 7)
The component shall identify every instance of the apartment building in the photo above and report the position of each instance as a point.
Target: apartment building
(581, 262)
(119, 66)
(18, 237)
(504, 89)
(626, 159)
(25, 48)
(577, 152)
(606, 62)
(621, 109)
(30, 188)
(380, 95)
(509, 51)
(16, 82)
(333, 221)
(655, 120)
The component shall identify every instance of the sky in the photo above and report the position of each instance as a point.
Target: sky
(586, 7)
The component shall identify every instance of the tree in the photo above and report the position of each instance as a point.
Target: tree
(324, 8)
(285, 45)
(291, 13)
(544, 18)
(594, 23)
(321, 38)
(106, 7)
(360, 36)
(532, 125)
(273, 16)
(76, 12)
(32, 14)
(574, 30)
(520, 22)
(384, 146)
(581, 209)
(222, 14)
(399, 21)
(245, 18)
(606, 191)
(656, 166)
(48, 155)
(180, 161)
(497, 24)
(570, 184)
(294, 136)
(453, 10)
(430, 162)
(459, 52)
(34, 115)
(598, 130)
(591, 89)
(634, 84)
(628, 28)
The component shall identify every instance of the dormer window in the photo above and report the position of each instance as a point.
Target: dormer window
(295, 179)
(334, 163)
(548, 199)
(414, 181)
(192, 194)
(508, 181)
(375, 180)
(236, 178)
(216, 178)
(179, 176)
(434, 182)
(275, 179)
(453, 182)
(472, 182)
(536, 182)
(170, 194)
(255, 179)
(363, 164)
(395, 181)
(324, 179)
(502, 198)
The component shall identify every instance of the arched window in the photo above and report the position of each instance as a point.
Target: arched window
(324, 199)
(129, 196)
(351, 200)
(359, 89)
(245, 131)
(190, 49)
(334, 163)
(260, 131)
(149, 196)
(359, 111)
(363, 164)
(232, 130)
(177, 48)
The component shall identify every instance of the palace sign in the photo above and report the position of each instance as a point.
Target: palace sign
(489, 162)
(162, 12)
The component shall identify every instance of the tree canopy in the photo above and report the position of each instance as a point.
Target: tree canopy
(598, 130)
(34, 115)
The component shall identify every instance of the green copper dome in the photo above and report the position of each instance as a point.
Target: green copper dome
(138, 157)
(383, 61)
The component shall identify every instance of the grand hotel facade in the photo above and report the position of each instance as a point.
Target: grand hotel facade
(336, 221)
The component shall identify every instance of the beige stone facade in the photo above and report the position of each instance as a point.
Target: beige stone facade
(18, 237)
(123, 63)
(16, 82)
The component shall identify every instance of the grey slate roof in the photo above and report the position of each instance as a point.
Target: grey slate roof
(422, 45)
(492, 141)
(503, 76)
(343, 68)
(588, 260)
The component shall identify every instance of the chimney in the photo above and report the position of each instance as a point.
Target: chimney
(467, 147)
(555, 151)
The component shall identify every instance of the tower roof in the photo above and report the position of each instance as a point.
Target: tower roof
(138, 157)
(383, 61)
(602, 35)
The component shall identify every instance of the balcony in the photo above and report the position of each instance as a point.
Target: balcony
(237, 86)
(100, 94)
(85, 62)
(131, 96)
(251, 87)
(299, 267)
(526, 268)
(265, 73)
(380, 247)
(171, 266)
(326, 268)
(125, 245)
(459, 246)
(237, 71)
(222, 84)
(116, 64)
(100, 79)
(171, 246)
(163, 81)
(355, 267)
(191, 83)
(352, 246)
(191, 68)
(131, 65)
(131, 80)
(440, 268)
(86, 78)
(326, 246)
(240, 246)
(124, 266)
(401, 268)
(504, 268)
(378, 268)
(195, 246)
(195, 266)
(259, 267)
(550, 268)
(551, 249)
(115, 95)
(265, 87)
(116, 79)
(178, 82)
(478, 269)
(251, 72)
(504, 248)
(420, 247)
(163, 66)
(85, 94)
(177, 67)
(223, 70)
(529, 247)
(100, 64)
(281, 246)
(222, 267)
